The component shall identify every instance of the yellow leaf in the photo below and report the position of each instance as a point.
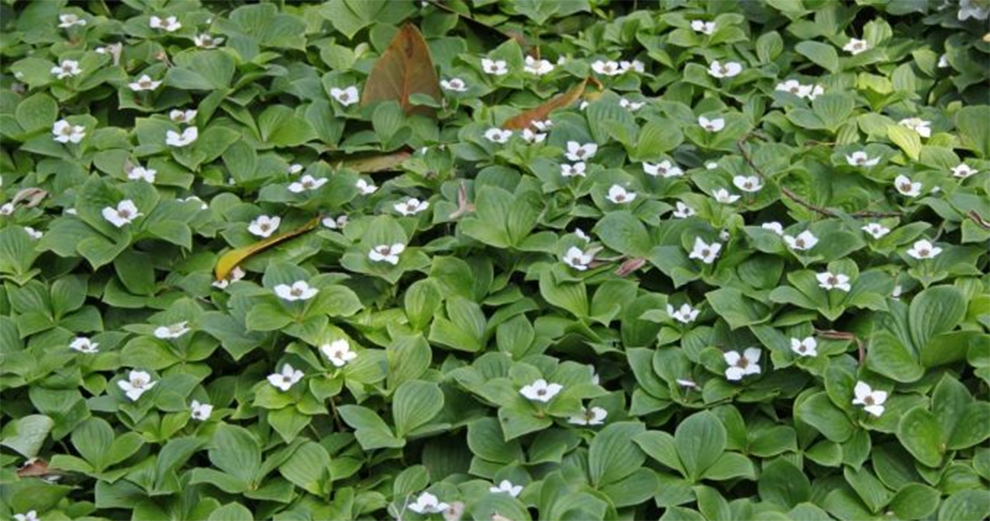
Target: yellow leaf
(232, 258)
(540, 113)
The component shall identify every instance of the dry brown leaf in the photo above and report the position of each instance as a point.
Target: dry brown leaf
(404, 69)
(372, 164)
(232, 258)
(541, 112)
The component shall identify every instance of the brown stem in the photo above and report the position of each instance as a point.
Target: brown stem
(845, 335)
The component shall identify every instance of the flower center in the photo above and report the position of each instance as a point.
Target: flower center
(799, 243)
(263, 226)
(295, 292)
(541, 392)
(705, 252)
(924, 252)
(286, 378)
(869, 400)
(743, 363)
(833, 280)
(124, 213)
(344, 96)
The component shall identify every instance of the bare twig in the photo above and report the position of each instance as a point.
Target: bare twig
(845, 335)
(978, 219)
(463, 206)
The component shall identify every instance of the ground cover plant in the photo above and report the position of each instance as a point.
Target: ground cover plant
(494, 260)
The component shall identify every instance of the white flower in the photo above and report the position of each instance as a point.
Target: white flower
(578, 259)
(286, 379)
(829, 281)
(67, 69)
(871, 400)
(906, 187)
(294, 169)
(860, 158)
(84, 345)
(967, 9)
(34, 234)
(411, 206)
(200, 411)
(125, 213)
(690, 384)
(182, 116)
(427, 503)
(728, 70)
(804, 241)
(663, 169)
(962, 171)
(896, 292)
(581, 235)
(387, 253)
(542, 125)
(137, 383)
(702, 27)
(711, 125)
(345, 97)
(497, 135)
(494, 67)
(169, 24)
(338, 352)
(805, 347)
(537, 67)
(206, 41)
(307, 182)
(748, 183)
(792, 86)
(100, 50)
(855, 46)
(578, 152)
(595, 379)
(620, 195)
(577, 169)
(591, 416)
(607, 68)
(187, 137)
(453, 85)
(365, 187)
(299, 290)
(723, 196)
(64, 132)
(541, 391)
(264, 226)
(923, 249)
(634, 65)
(173, 331)
(7, 209)
(814, 91)
(633, 106)
(140, 173)
(31, 515)
(705, 252)
(144, 83)
(774, 227)
(943, 61)
(922, 127)
(506, 487)
(724, 235)
(335, 224)
(742, 365)
(683, 211)
(533, 137)
(877, 230)
(685, 314)
(236, 274)
(711, 165)
(68, 20)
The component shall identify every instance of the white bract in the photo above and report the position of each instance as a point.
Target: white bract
(706, 253)
(306, 183)
(860, 158)
(906, 187)
(84, 345)
(346, 96)
(453, 85)
(264, 226)
(533, 137)
(427, 503)
(506, 487)
(65, 132)
(703, 27)
(581, 235)
(34, 234)
(877, 230)
(140, 173)
(723, 196)
(774, 227)
(807, 346)
(67, 69)
(871, 400)
(365, 187)
(634, 65)
(683, 211)
(856, 46)
(387, 253)
(494, 67)
(962, 171)
(578, 152)
(30, 515)
(664, 168)
(633, 106)
(726, 70)
(829, 281)
(577, 169)
(185, 138)
(498, 135)
(803, 242)
(541, 391)
(537, 67)
(169, 24)
(578, 259)
(685, 314)
(411, 206)
(299, 290)
(748, 183)
(236, 274)
(943, 61)
(607, 68)
(172, 331)
(137, 383)
(182, 116)
(68, 20)
(123, 214)
(200, 411)
(591, 416)
(924, 249)
(335, 223)
(285, 379)
(711, 125)
(741, 365)
(922, 127)
(620, 195)
(144, 83)
(543, 125)
(205, 41)
(7, 209)
(338, 352)
(689, 384)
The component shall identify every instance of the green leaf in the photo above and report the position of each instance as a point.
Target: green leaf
(973, 123)
(888, 356)
(736, 308)
(231, 512)
(914, 501)
(935, 310)
(26, 435)
(907, 139)
(611, 457)
(416, 403)
(657, 137)
(308, 467)
(819, 412)
(784, 484)
(92, 440)
(919, 433)
(822, 54)
(371, 430)
(236, 451)
(624, 233)
(700, 441)
(36, 113)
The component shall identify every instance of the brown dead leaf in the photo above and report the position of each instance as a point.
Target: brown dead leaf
(232, 258)
(372, 164)
(541, 112)
(404, 69)
(34, 467)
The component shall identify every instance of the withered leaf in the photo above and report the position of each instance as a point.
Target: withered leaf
(232, 258)
(541, 112)
(404, 69)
